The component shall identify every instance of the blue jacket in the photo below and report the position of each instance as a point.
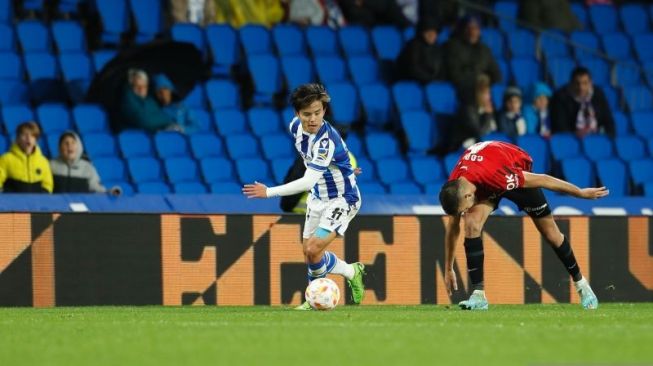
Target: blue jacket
(142, 113)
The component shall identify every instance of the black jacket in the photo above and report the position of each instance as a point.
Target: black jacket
(564, 110)
(420, 61)
(465, 62)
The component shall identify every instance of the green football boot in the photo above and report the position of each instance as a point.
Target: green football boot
(356, 284)
(304, 306)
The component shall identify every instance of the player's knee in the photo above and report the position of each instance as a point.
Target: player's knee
(473, 228)
(312, 248)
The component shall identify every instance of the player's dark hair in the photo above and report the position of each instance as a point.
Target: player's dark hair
(306, 94)
(580, 71)
(450, 197)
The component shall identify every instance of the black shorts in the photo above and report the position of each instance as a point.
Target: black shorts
(529, 200)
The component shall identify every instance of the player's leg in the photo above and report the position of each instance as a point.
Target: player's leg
(473, 222)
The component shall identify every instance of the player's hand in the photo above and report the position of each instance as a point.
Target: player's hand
(358, 171)
(594, 193)
(256, 190)
(450, 281)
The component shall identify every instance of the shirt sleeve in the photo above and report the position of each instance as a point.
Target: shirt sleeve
(323, 151)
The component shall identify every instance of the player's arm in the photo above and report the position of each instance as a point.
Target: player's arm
(533, 180)
(452, 233)
(303, 184)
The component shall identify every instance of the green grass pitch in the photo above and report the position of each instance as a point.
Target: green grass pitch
(616, 334)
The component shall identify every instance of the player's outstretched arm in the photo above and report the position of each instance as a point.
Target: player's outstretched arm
(303, 184)
(532, 180)
(452, 232)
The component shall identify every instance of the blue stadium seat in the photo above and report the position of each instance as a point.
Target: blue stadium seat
(34, 36)
(578, 171)
(564, 145)
(41, 65)
(190, 33)
(53, 117)
(264, 121)
(169, 144)
(506, 74)
(642, 124)
(115, 19)
(450, 161)
(634, 18)
(580, 12)
(392, 170)
(155, 187)
(629, 147)
(100, 145)
(553, 45)
(280, 168)
(13, 115)
(538, 148)
(355, 145)
(648, 189)
(493, 38)
(613, 175)
(222, 94)
(181, 169)
(230, 122)
(127, 188)
(364, 70)
(648, 71)
(376, 102)
(408, 95)
(405, 188)
(613, 100)
(642, 43)
(135, 143)
(206, 145)
(203, 121)
(496, 93)
(287, 115)
(145, 169)
(355, 41)
(90, 118)
(330, 69)
(369, 171)
(507, 11)
(560, 69)
(420, 131)
(76, 66)
(641, 171)
(427, 170)
(617, 46)
(297, 70)
(277, 145)
(216, 169)
(110, 168)
(102, 57)
(6, 11)
(4, 143)
(7, 38)
(597, 147)
(387, 42)
(196, 98)
(226, 188)
(588, 41)
(373, 188)
(525, 71)
(322, 41)
(11, 66)
(148, 17)
(522, 43)
(638, 98)
(253, 169)
(266, 74)
(256, 40)
(289, 40)
(381, 145)
(409, 33)
(497, 136)
(627, 74)
(649, 143)
(68, 36)
(52, 142)
(13, 92)
(441, 97)
(224, 47)
(345, 104)
(604, 18)
(242, 146)
(189, 188)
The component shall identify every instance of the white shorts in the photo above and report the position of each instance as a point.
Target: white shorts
(332, 215)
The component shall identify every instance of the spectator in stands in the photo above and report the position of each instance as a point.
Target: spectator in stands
(201, 12)
(24, 169)
(306, 12)
(549, 14)
(242, 12)
(466, 58)
(139, 109)
(72, 173)
(581, 107)
(172, 106)
(536, 114)
(476, 119)
(511, 121)
(421, 58)
(369, 13)
(445, 11)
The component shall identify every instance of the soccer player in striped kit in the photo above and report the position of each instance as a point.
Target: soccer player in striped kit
(485, 173)
(334, 196)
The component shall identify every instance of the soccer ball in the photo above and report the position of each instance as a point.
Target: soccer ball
(322, 294)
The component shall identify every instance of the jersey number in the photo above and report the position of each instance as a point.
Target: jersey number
(337, 212)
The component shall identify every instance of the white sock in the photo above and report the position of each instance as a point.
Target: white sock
(343, 268)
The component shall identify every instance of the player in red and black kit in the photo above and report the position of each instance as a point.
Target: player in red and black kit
(487, 172)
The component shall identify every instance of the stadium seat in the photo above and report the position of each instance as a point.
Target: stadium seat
(34, 36)
(441, 97)
(642, 124)
(196, 98)
(11, 66)
(53, 118)
(14, 115)
(578, 171)
(277, 145)
(612, 174)
(355, 41)
(322, 41)
(264, 121)
(289, 40)
(377, 105)
(6, 11)
(420, 131)
(287, 115)
(522, 43)
(525, 71)
(409, 33)
(497, 136)
(355, 145)
(148, 16)
(603, 18)
(4, 143)
(629, 147)
(203, 121)
(226, 188)
(330, 69)
(222, 94)
(634, 19)
(387, 42)
(127, 188)
(598, 68)
(90, 118)
(110, 168)
(102, 57)
(216, 169)
(641, 171)
(242, 146)
(297, 70)
(76, 66)
(224, 46)
(560, 69)
(538, 148)
(252, 170)
(506, 74)
(189, 188)
(580, 12)
(115, 19)
(181, 169)
(100, 145)
(408, 95)
(41, 65)
(427, 170)
(450, 161)
(157, 187)
(564, 145)
(553, 45)
(189, 33)
(392, 170)
(266, 74)
(206, 145)
(345, 104)
(617, 46)
(493, 38)
(648, 189)
(280, 167)
(627, 74)
(7, 38)
(368, 169)
(13, 92)
(134, 143)
(256, 40)
(507, 14)
(638, 98)
(381, 145)
(597, 147)
(642, 43)
(496, 93)
(613, 99)
(230, 122)
(589, 44)
(648, 71)
(373, 188)
(364, 70)
(51, 144)
(68, 36)
(169, 144)
(145, 169)
(405, 188)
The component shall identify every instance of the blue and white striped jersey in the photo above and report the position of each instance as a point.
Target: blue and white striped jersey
(326, 152)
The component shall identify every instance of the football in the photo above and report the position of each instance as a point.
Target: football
(322, 294)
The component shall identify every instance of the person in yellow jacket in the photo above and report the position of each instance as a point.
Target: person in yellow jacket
(24, 169)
